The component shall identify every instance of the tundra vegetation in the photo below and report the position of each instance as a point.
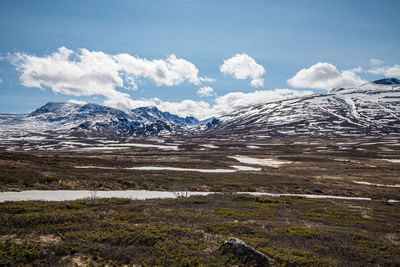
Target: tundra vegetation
(188, 231)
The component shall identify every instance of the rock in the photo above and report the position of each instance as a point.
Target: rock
(246, 252)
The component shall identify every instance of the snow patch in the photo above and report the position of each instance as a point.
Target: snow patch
(263, 162)
(209, 146)
(103, 148)
(94, 167)
(246, 168)
(67, 195)
(169, 147)
(393, 160)
(253, 147)
(156, 168)
(381, 185)
(159, 168)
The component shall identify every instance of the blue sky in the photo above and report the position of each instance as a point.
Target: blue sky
(283, 37)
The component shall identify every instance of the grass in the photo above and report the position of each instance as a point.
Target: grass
(189, 231)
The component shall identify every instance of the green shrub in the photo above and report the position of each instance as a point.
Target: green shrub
(294, 257)
(12, 253)
(229, 229)
(300, 231)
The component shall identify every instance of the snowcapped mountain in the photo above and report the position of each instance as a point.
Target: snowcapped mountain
(154, 114)
(95, 120)
(70, 112)
(372, 109)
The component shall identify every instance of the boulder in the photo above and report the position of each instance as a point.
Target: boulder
(245, 252)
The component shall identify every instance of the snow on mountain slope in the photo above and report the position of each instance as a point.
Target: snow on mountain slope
(373, 108)
(93, 120)
(370, 109)
(154, 114)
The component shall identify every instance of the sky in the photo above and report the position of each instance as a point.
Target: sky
(203, 58)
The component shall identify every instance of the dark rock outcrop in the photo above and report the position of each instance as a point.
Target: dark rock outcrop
(245, 252)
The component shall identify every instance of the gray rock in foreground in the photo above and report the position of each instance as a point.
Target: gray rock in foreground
(246, 252)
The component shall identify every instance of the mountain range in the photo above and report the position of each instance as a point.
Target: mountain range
(97, 120)
(370, 109)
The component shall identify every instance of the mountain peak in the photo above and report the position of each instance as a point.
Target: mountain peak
(387, 81)
(51, 107)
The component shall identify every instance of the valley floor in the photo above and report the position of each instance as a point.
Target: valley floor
(292, 230)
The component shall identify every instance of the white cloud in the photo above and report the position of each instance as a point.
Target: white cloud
(169, 72)
(66, 72)
(75, 101)
(257, 82)
(85, 73)
(325, 76)
(387, 71)
(202, 110)
(1, 81)
(207, 80)
(241, 67)
(205, 91)
(126, 103)
(199, 109)
(236, 100)
(375, 62)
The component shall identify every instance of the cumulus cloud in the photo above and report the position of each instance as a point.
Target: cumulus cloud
(169, 72)
(85, 73)
(386, 71)
(207, 79)
(325, 76)
(236, 100)
(375, 62)
(242, 66)
(205, 91)
(79, 74)
(258, 82)
(203, 110)
(199, 109)
(75, 101)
